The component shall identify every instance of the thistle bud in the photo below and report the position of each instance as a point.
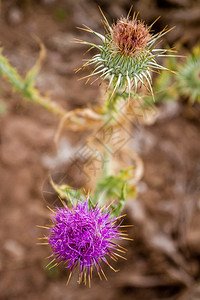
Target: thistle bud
(127, 55)
(188, 79)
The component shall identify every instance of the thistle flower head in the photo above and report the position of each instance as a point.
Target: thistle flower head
(83, 237)
(126, 56)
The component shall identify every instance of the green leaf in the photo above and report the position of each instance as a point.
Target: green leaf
(115, 187)
(32, 74)
(67, 193)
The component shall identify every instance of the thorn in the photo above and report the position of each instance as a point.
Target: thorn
(63, 203)
(129, 11)
(154, 22)
(104, 274)
(113, 258)
(51, 210)
(88, 50)
(43, 238)
(127, 225)
(124, 234)
(85, 279)
(93, 80)
(91, 271)
(99, 275)
(110, 204)
(70, 275)
(50, 263)
(106, 21)
(87, 81)
(128, 239)
(121, 216)
(100, 198)
(47, 257)
(84, 29)
(89, 281)
(121, 256)
(53, 266)
(44, 227)
(80, 278)
(120, 250)
(122, 247)
(112, 268)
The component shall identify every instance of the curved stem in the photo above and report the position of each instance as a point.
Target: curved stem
(27, 90)
(45, 102)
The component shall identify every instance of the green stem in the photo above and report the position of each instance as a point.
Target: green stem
(48, 104)
(110, 112)
(27, 90)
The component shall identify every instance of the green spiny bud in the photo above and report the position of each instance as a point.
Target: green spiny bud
(188, 79)
(127, 55)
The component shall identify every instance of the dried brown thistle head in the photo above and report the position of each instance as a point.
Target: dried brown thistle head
(130, 37)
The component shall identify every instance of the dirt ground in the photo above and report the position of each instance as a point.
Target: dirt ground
(163, 262)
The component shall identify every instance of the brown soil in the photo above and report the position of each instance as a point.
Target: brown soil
(163, 260)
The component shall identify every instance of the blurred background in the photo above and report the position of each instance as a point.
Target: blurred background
(164, 259)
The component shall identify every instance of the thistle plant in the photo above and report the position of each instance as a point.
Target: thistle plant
(26, 86)
(85, 232)
(84, 236)
(127, 54)
(183, 82)
(188, 79)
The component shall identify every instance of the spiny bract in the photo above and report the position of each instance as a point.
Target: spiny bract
(127, 55)
(83, 237)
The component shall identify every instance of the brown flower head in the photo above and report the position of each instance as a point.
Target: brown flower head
(130, 36)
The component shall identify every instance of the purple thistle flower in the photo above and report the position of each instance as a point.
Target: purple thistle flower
(84, 236)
